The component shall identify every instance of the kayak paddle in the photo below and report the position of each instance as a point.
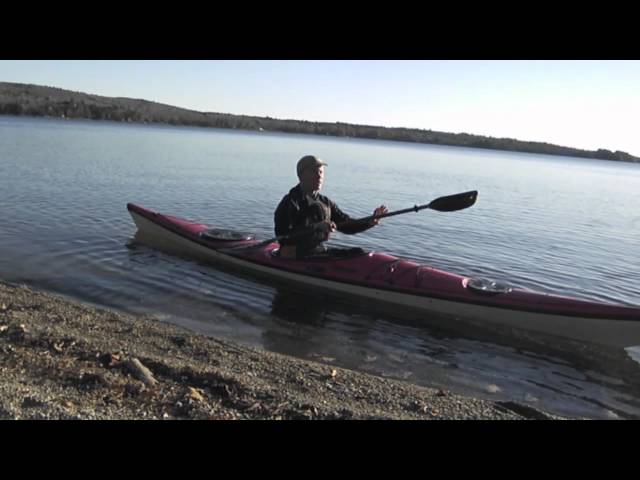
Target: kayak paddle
(449, 203)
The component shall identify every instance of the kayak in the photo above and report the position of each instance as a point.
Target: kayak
(401, 282)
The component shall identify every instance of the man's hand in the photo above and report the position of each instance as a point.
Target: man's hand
(381, 210)
(324, 229)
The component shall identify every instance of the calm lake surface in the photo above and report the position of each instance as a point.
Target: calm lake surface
(557, 224)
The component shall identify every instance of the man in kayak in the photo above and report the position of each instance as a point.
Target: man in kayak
(303, 208)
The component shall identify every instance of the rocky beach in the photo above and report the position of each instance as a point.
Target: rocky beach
(60, 359)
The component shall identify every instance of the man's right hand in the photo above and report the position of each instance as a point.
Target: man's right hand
(324, 229)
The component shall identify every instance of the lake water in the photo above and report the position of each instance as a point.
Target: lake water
(558, 224)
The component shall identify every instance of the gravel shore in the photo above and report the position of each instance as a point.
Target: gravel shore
(64, 360)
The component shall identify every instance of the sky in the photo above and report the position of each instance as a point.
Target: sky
(581, 104)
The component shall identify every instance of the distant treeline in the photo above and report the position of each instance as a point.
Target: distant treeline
(34, 100)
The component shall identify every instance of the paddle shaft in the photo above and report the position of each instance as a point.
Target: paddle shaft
(415, 208)
(309, 230)
(448, 203)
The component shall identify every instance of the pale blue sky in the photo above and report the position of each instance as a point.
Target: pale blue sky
(583, 104)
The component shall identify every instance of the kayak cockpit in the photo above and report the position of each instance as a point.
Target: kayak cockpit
(224, 235)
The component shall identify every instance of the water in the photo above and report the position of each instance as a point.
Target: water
(561, 225)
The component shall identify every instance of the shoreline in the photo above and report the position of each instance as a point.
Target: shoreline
(20, 99)
(61, 359)
(320, 136)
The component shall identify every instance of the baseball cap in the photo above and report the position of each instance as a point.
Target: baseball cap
(309, 161)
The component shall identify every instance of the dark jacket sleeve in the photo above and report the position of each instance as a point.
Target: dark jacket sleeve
(345, 223)
(281, 217)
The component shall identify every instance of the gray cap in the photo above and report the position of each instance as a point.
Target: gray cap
(309, 161)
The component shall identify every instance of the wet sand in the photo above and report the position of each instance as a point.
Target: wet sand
(65, 360)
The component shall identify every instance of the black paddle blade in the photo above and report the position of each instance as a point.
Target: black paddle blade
(451, 203)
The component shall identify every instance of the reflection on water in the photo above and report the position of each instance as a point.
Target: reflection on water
(296, 307)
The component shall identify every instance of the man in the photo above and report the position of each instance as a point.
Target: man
(304, 209)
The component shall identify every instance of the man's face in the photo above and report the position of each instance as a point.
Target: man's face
(312, 179)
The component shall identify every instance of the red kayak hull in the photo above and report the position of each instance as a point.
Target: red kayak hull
(403, 282)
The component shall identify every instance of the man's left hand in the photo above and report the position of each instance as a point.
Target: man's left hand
(381, 210)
